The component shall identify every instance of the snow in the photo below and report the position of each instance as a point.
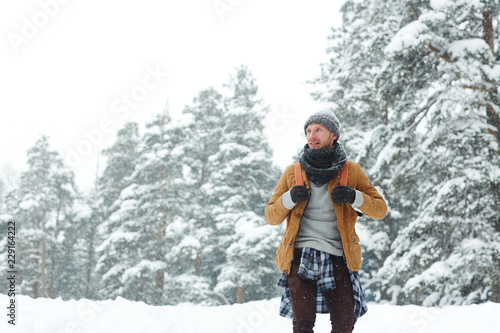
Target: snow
(144, 265)
(190, 241)
(432, 17)
(440, 4)
(82, 210)
(117, 236)
(460, 48)
(6, 217)
(410, 35)
(28, 204)
(445, 4)
(120, 315)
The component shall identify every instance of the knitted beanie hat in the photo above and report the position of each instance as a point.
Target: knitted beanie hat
(326, 118)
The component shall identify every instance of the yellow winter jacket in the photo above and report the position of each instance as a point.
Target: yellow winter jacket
(373, 206)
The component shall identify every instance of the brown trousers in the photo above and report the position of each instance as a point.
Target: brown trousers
(340, 301)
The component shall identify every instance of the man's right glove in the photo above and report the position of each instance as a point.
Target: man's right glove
(299, 193)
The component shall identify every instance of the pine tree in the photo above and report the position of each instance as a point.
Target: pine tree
(72, 268)
(437, 157)
(90, 217)
(8, 180)
(243, 183)
(103, 224)
(136, 261)
(202, 129)
(456, 231)
(43, 206)
(120, 161)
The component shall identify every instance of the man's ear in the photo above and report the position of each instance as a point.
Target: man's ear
(334, 137)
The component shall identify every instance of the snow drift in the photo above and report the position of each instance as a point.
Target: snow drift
(120, 315)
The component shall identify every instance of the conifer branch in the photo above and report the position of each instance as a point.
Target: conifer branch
(423, 111)
(442, 55)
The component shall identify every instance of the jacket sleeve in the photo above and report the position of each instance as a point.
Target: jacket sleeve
(374, 204)
(275, 212)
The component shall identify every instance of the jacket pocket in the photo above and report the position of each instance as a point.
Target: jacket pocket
(355, 252)
(284, 254)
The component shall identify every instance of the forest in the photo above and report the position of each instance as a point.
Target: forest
(176, 215)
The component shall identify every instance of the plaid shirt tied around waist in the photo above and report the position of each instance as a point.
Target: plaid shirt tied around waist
(317, 266)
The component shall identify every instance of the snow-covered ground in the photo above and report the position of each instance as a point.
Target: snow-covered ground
(120, 315)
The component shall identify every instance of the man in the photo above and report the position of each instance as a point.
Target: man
(320, 254)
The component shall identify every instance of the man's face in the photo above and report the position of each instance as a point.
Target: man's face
(318, 136)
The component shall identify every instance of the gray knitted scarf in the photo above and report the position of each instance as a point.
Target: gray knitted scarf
(322, 164)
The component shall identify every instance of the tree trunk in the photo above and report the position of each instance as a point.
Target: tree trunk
(493, 119)
(160, 277)
(42, 268)
(35, 290)
(240, 294)
(90, 255)
(160, 234)
(495, 288)
(489, 31)
(197, 264)
(53, 269)
(492, 116)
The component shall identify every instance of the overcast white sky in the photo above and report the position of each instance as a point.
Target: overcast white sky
(74, 69)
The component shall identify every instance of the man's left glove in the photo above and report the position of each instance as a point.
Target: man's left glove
(343, 193)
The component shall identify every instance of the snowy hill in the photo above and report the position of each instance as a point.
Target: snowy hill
(120, 315)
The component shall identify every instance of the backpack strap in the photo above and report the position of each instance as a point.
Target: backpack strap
(298, 174)
(343, 173)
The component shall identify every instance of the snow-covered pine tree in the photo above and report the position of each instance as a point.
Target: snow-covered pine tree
(450, 254)
(42, 205)
(8, 182)
(242, 184)
(93, 209)
(436, 80)
(103, 230)
(73, 265)
(149, 221)
(202, 127)
(120, 161)
(90, 215)
(9, 179)
(163, 197)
